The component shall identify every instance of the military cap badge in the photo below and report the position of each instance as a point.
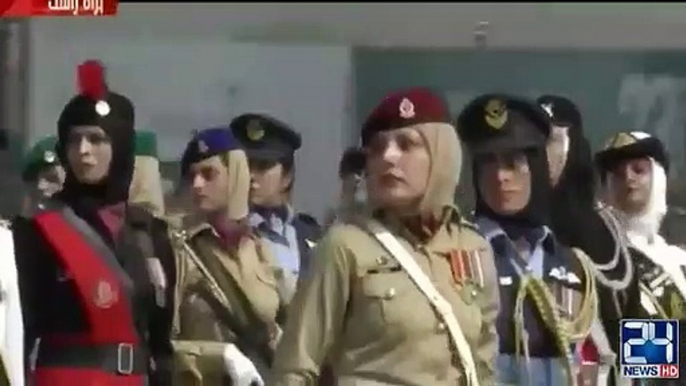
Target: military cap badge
(49, 156)
(254, 131)
(406, 108)
(548, 108)
(620, 140)
(102, 108)
(496, 113)
(202, 147)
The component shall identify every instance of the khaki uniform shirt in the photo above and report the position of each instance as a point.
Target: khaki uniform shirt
(360, 309)
(201, 333)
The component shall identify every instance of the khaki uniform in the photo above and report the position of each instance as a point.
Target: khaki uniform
(212, 313)
(361, 309)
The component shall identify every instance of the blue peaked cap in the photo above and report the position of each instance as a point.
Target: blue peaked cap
(207, 143)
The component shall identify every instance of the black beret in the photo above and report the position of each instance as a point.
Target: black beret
(562, 111)
(628, 145)
(265, 137)
(500, 122)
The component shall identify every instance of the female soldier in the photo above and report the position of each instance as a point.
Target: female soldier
(633, 169)
(103, 316)
(546, 290)
(409, 295)
(230, 296)
(578, 220)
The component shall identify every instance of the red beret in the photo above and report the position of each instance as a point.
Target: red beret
(405, 108)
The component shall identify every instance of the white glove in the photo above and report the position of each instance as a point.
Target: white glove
(241, 369)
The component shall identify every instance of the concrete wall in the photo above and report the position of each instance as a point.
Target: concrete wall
(551, 25)
(191, 65)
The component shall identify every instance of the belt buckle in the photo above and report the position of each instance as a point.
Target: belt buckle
(125, 358)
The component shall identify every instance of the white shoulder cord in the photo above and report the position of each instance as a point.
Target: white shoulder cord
(621, 249)
(444, 309)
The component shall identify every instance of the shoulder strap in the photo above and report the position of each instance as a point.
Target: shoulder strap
(444, 309)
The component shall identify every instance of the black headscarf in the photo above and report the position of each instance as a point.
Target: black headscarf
(574, 217)
(497, 123)
(536, 211)
(95, 105)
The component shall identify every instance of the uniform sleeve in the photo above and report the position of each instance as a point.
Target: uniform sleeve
(487, 348)
(316, 315)
(161, 319)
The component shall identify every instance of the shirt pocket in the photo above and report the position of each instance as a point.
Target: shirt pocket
(389, 297)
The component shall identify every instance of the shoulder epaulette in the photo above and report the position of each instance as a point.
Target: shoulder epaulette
(196, 230)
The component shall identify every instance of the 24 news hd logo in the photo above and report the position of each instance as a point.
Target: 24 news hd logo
(649, 348)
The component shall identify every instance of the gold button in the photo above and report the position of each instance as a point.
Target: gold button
(390, 294)
(381, 260)
(475, 292)
(441, 327)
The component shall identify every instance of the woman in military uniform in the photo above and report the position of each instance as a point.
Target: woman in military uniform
(633, 167)
(579, 220)
(407, 296)
(271, 145)
(547, 295)
(231, 300)
(96, 275)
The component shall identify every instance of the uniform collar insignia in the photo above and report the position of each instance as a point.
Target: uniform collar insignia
(310, 244)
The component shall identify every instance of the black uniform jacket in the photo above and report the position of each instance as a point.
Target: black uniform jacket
(308, 233)
(51, 305)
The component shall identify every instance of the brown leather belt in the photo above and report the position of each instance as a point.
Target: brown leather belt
(121, 359)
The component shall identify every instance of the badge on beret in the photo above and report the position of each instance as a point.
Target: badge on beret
(254, 131)
(620, 140)
(105, 295)
(548, 107)
(406, 109)
(202, 147)
(102, 108)
(496, 113)
(49, 156)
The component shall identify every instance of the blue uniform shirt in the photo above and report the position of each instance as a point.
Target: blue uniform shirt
(281, 236)
(543, 368)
